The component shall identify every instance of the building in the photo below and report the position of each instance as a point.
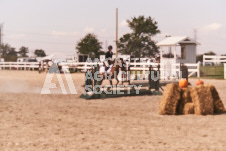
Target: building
(178, 49)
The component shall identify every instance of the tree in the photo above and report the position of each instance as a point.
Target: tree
(90, 45)
(200, 57)
(8, 52)
(40, 53)
(23, 51)
(139, 43)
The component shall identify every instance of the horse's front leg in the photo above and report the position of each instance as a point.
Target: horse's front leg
(111, 82)
(117, 80)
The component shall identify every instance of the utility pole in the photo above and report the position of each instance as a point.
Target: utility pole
(116, 50)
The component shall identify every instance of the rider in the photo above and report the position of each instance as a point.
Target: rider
(108, 57)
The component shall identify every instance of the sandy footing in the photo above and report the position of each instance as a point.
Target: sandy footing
(33, 121)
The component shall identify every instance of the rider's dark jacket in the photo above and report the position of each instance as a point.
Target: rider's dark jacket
(109, 56)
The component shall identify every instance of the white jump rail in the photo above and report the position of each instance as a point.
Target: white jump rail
(144, 66)
(213, 59)
(134, 66)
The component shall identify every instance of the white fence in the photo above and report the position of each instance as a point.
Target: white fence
(135, 66)
(213, 59)
(192, 68)
(142, 66)
(19, 65)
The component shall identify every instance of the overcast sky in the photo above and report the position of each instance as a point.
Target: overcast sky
(57, 25)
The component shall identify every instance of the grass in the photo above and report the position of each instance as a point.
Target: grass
(212, 72)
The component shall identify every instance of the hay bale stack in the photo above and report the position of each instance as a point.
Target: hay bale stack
(169, 101)
(217, 102)
(188, 108)
(202, 99)
(185, 98)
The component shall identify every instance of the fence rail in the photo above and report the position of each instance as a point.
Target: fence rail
(134, 66)
(213, 59)
(19, 65)
(192, 68)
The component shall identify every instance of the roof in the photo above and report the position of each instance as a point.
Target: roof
(55, 56)
(172, 41)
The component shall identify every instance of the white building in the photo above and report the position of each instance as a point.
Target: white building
(179, 49)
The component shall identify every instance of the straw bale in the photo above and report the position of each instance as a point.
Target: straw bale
(202, 99)
(169, 101)
(188, 108)
(217, 102)
(185, 98)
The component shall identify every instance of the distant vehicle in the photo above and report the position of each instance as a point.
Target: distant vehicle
(26, 60)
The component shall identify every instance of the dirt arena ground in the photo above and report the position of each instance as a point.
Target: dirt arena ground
(57, 122)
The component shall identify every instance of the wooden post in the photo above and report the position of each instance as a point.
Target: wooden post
(97, 82)
(149, 77)
(88, 82)
(184, 71)
(96, 69)
(126, 76)
(180, 71)
(128, 73)
(158, 76)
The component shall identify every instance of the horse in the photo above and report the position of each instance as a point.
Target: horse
(113, 71)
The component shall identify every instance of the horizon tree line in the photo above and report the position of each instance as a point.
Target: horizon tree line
(10, 54)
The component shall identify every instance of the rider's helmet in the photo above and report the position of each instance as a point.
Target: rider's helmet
(110, 47)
